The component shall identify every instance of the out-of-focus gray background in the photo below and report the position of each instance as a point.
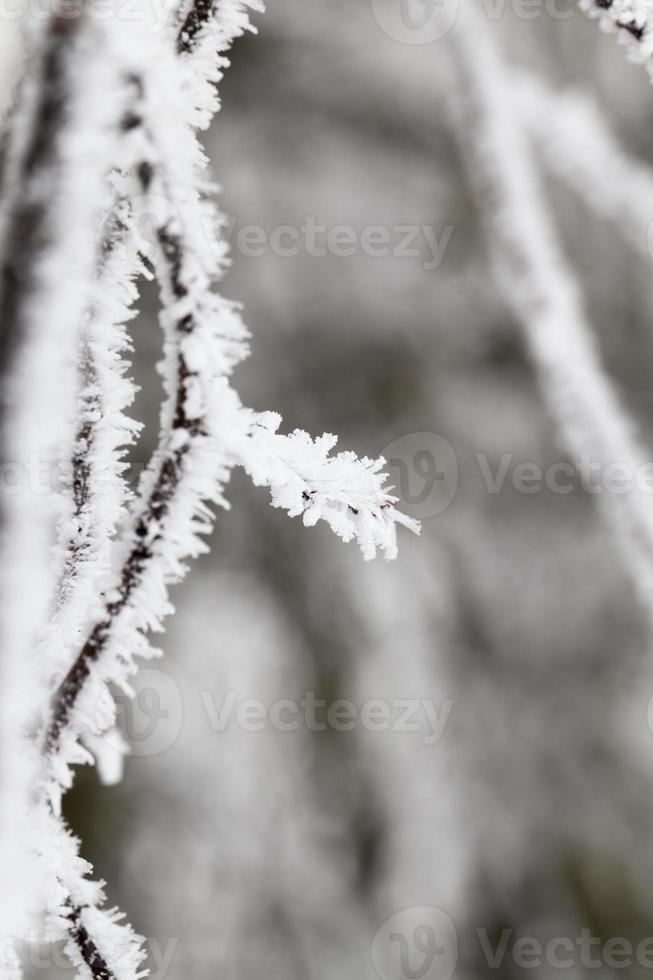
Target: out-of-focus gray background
(312, 855)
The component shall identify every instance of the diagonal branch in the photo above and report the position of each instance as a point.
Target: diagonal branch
(537, 282)
(580, 148)
(305, 479)
(54, 199)
(193, 315)
(96, 486)
(631, 21)
(204, 433)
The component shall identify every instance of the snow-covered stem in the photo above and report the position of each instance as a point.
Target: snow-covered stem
(94, 473)
(53, 202)
(96, 488)
(537, 282)
(412, 776)
(632, 21)
(96, 491)
(207, 30)
(204, 433)
(153, 98)
(184, 469)
(579, 146)
(305, 479)
(211, 19)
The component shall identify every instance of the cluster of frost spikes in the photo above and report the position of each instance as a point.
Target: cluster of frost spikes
(114, 564)
(632, 21)
(305, 479)
(206, 33)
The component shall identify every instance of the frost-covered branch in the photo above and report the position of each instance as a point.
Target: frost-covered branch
(305, 479)
(201, 422)
(213, 25)
(54, 197)
(203, 340)
(69, 162)
(631, 20)
(97, 490)
(580, 148)
(207, 30)
(537, 282)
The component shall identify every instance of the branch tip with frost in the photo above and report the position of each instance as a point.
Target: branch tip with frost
(306, 480)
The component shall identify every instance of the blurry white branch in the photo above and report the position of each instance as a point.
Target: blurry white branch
(538, 283)
(580, 147)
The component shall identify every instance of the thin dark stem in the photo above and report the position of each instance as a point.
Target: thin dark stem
(88, 950)
(170, 471)
(197, 18)
(27, 235)
(157, 506)
(636, 31)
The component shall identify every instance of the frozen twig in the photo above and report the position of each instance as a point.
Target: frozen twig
(305, 479)
(94, 472)
(207, 31)
(54, 198)
(69, 161)
(632, 21)
(539, 285)
(580, 148)
(204, 432)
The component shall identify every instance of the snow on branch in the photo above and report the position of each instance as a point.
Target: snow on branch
(631, 20)
(94, 471)
(207, 30)
(203, 341)
(343, 490)
(539, 285)
(67, 293)
(579, 147)
(93, 465)
(56, 192)
(200, 421)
